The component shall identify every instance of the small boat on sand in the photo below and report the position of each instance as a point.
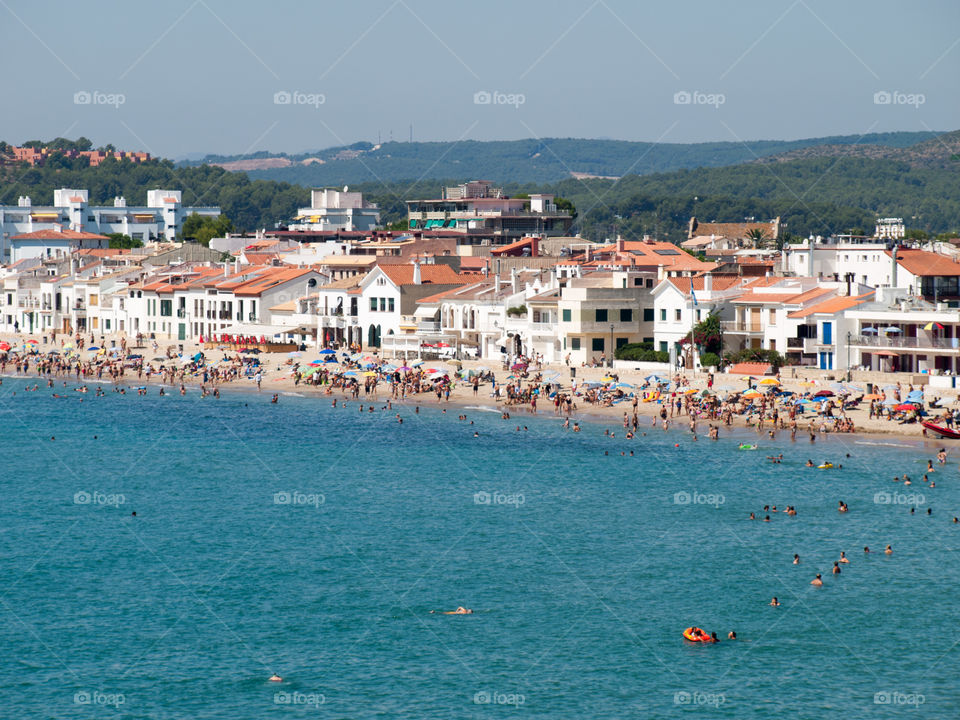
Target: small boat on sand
(941, 430)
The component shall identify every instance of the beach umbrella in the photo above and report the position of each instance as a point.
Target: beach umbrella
(873, 396)
(418, 363)
(656, 379)
(350, 373)
(404, 368)
(369, 373)
(295, 353)
(933, 326)
(868, 331)
(607, 379)
(93, 348)
(905, 407)
(855, 388)
(691, 391)
(891, 388)
(4, 345)
(31, 341)
(806, 384)
(769, 381)
(328, 351)
(823, 393)
(752, 394)
(316, 362)
(915, 396)
(892, 329)
(891, 402)
(308, 372)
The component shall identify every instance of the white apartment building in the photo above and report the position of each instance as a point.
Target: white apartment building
(336, 210)
(160, 219)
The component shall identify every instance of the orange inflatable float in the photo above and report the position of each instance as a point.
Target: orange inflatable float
(695, 634)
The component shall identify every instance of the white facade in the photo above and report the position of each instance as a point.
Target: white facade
(337, 210)
(160, 219)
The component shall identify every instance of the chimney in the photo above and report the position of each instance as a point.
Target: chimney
(708, 283)
(417, 280)
(486, 269)
(893, 266)
(514, 280)
(496, 284)
(621, 246)
(535, 247)
(810, 257)
(849, 278)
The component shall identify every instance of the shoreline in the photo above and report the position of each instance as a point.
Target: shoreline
(461, 397)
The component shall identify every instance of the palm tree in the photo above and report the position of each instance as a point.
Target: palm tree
(757, 236)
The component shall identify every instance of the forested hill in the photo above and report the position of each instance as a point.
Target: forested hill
(535, 161)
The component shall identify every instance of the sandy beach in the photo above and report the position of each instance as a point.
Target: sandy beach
(278, 377)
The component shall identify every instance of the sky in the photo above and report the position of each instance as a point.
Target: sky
(189, 77)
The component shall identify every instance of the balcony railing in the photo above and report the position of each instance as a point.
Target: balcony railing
(737, 326)
(887, 341)
(428, 326)
(795, 342)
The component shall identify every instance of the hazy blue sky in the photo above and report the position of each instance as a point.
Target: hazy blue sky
(188, 76)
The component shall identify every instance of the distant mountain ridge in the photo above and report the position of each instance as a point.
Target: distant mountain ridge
(937, 152)
(532, 161)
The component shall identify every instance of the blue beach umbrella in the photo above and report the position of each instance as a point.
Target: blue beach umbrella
(328, 351)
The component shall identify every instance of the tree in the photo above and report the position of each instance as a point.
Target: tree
(757, 236)
(707, 334)
(564, 204)
(119, 241)
(203, 229)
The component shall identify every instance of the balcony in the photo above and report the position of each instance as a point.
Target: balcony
(738, 326)
(252, 317)
(181, 313)
(906, 343)
(428, 326)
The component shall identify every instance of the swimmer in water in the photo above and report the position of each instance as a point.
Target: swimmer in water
(796, 559)
(459, 611)
(817, 582)
(275, 678)
(774, 602)
(843, 557)
(888, 550)
(836, 569)
(866, 549)
(731, 635)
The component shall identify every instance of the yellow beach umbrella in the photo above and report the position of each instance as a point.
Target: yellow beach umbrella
(691, 391)
(752, 394)
(369, 373)
(769, 381)
(806, 384)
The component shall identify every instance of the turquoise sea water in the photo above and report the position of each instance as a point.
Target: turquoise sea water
(313, 542)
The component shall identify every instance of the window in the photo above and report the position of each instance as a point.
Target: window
(575, 343)
(638, 282)
(677, 314)
(648, 314)
(649, 340)
(566, 318)
(383, 304)
(773, 317)
(626, 315)
(373, 304)
(621, 341)
(649, 282)
(601, 316)
(166, 308)
(390, 305)
(663, 315)
(597, 345)
(663, 346)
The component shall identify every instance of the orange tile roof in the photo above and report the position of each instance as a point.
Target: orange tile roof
(433, 274)
(720, 282)
(833, 305)
(59, 235)
(926, 264)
